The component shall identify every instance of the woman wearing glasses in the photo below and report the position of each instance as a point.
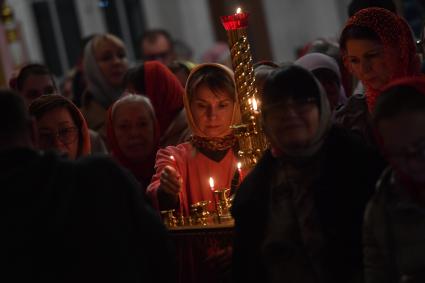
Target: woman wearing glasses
(61, 126)
(299, 213)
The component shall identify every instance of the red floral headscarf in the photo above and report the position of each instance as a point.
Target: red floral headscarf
(393, 31)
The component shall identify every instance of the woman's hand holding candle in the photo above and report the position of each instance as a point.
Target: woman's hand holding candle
(170, 181)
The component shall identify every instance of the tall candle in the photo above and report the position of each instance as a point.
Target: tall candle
(211, 181)
(180, 193)
(239, 165)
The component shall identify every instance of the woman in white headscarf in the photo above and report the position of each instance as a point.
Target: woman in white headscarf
(105, 65)
(327, 71)
(300, 210)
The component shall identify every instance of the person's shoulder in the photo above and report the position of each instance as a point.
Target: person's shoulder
(99, 166)
(355, 104)
(253, 187)
(381, 195)
(341, 138)
(101, 172)
(29, 159)
(348, 146)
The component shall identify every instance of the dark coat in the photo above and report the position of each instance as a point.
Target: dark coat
(77, 221)
(355, 116)
(394, 235)
(349, 171)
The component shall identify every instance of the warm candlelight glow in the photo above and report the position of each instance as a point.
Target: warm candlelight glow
(254, 104)
(239, 165)
(172, 158)
(211, 183)
(238, 10)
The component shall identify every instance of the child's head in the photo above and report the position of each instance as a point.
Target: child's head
(399, 119)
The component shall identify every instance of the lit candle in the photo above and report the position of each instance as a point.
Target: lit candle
(239, 165)
(211, 184)
(238, 10)
(180, 194)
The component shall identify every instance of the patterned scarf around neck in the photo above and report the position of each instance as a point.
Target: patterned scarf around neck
(214, 144)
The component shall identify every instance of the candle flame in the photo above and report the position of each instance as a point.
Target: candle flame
(239, 165)
(172, 158)
(254, 104)
(211, 183)
(238, 10)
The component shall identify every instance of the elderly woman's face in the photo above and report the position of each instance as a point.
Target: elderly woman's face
(57, 130)
(212, 112)
(370, 62)
(134, 130)
(292, 124)
(112, 60)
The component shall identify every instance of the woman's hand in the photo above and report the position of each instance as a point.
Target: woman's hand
(170, 181)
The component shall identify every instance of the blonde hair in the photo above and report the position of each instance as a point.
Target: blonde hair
(102, 38)
(216, 78)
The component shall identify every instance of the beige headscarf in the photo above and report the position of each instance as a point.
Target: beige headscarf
(236, 117)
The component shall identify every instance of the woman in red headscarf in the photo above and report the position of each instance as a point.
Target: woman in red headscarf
(61, 126)
(378, 48)
(133, 135)
(160, 85)
(394, 231)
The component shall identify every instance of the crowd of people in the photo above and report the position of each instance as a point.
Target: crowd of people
(339, 195)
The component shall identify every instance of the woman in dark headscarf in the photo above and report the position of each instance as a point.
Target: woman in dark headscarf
(377, 47)
(298, 214)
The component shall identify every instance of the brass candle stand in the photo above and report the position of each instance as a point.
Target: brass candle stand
(168, 218)
(252, 141)
(223, 205)
(200, 216)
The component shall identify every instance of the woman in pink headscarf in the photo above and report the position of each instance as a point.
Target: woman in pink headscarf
(211, 107)
(183, 171)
